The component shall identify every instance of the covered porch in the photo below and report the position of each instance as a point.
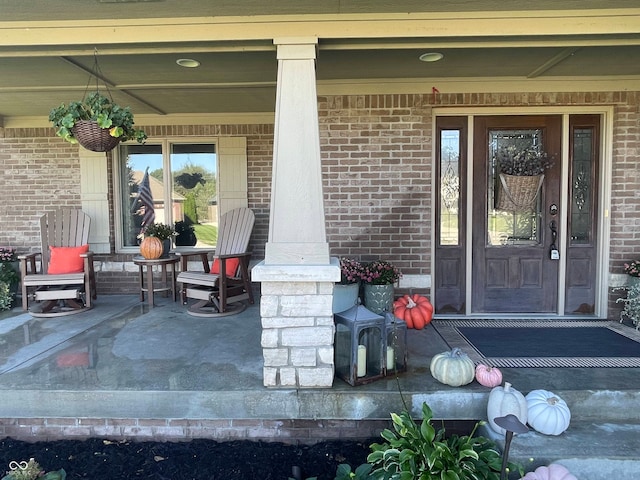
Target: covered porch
(124, 371)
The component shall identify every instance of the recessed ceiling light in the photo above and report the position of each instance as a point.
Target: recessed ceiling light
(188, 62)
(431, 57)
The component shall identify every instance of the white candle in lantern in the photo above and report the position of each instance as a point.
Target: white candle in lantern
(391, 358)
(362, 360)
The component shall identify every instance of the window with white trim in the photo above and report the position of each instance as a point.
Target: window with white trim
(174, 182)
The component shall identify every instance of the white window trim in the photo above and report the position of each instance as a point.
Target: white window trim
(166, 143)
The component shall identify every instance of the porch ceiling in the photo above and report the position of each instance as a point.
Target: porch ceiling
(238, 70)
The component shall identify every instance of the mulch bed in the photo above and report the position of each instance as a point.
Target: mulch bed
(197, 459)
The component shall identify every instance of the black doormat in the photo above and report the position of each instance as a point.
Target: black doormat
(544, 343)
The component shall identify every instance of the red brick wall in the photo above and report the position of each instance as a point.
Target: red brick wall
(376, 157)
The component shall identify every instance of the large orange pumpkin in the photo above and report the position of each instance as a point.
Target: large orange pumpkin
(151, 248)
(415, 310)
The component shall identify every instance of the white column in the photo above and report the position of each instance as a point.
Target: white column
(297, 274)
(296, 226)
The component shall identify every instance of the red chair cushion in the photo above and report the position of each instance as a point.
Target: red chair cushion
(231, 266)
(66, 259)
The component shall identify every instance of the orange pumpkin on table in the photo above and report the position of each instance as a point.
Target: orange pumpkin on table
(415, 310)
(151, 248)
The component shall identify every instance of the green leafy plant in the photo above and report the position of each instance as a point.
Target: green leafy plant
(522, 162)
(7, 273)
(159, 230)
(413, 451)
(31, 470)
(363, 472)
(102, 110)
(6, 297)
(631, 309)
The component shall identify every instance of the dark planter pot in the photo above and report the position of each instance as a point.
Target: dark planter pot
(166, 248)
(186, 239)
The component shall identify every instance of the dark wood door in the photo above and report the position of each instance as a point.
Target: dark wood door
(513, 270)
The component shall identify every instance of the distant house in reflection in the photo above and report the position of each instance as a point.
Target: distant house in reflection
(157, 192)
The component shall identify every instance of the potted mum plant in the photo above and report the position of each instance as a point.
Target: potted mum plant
(345, 293)
(379, 278)
(521, 173)
(96, 123)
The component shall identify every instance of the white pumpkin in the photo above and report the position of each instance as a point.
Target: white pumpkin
(555, 471)
(452, 368)
(504, 401)
(547, 413)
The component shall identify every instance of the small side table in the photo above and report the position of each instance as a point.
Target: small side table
(168, 278)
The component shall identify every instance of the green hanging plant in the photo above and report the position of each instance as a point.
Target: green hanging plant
(100, 109)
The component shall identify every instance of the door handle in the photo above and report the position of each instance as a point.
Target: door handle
(554, 253)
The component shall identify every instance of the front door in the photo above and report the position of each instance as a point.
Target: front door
(513, 236)
(499, 251)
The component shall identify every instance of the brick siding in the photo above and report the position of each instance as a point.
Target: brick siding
(376, 159)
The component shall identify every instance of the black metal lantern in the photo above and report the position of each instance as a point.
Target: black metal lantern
(360, 345)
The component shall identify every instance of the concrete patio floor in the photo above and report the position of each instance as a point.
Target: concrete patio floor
(123, 360)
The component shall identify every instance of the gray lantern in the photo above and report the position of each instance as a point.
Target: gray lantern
(360, 345)
(395, 347)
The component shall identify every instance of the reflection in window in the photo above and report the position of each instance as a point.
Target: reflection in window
(190, 183)
(507, 227)
(450, 187)
(581, 185)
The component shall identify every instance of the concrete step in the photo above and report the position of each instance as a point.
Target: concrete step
(591, 451)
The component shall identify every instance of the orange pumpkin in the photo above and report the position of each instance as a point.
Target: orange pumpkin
(151, 248)
(415, 310)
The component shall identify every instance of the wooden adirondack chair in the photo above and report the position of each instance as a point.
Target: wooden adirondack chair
(64, 283)
(223, 288)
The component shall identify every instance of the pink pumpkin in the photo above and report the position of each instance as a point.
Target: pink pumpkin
(488, 376)
(555, 471)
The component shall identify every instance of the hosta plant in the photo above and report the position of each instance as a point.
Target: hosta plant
(413, 451)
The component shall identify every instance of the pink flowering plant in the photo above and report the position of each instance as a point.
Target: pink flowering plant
(7, 254)
(350, 271)
(381, 273)
(632, 268)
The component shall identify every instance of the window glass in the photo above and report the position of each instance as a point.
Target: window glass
(194, 182)
(581, 218)
(511, 226)
(188, 180)
(449, 187)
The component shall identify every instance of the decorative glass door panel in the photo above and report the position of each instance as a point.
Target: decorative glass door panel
(521, 225)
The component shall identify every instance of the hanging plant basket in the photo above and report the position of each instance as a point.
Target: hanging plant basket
(95, 122)
(518, 193)
(94, 138)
